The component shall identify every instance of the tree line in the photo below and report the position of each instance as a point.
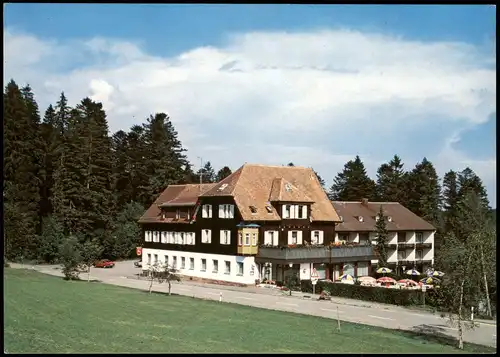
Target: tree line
(68, 181)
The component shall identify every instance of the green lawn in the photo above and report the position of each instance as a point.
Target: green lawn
(48, 315)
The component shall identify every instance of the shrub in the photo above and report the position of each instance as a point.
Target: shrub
(373, 294)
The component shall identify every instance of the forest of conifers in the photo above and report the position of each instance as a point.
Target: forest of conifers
(66, 176)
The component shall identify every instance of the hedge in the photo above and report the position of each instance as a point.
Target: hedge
(366, 293)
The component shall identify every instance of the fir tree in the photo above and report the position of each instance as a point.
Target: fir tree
(468, 181)
(353, 183)
(450, 200)
(164, 154)
(391, 181)
(21, 166)
(320, 179)
(424, 192)
(223, 173)
(207, 173)
(382, 237)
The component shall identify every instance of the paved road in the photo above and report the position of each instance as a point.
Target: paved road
(349, 310)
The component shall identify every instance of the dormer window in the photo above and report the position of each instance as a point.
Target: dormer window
(269, 209)
(288, 187)
(253, 209)
(389, 218)
(376, 218)
(163, 215)
(341, 219)
(177, 214)
(360, 218)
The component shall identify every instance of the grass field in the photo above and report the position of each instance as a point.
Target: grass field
(45, 314)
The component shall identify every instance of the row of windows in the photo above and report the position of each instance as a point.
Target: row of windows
(294, 211)
(187, 238)
(225, 211)
(419, 254)
(202, 267)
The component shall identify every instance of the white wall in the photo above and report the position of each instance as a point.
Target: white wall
(248, 263)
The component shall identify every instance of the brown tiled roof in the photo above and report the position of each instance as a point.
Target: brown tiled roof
(174, 195)
(253, 185)
(402, 219)
(284, 191)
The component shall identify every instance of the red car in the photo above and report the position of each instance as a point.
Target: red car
(105, 263)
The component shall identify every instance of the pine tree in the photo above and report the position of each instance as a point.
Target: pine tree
(188, 175)
(223, 173)
(353, 183)
(391, 181)
(290, 164)
(468, 181)
(424, 192)
(450, 200)
(21, 188)
(320, 179)
(207, 173)
(122, 170)
(382, 237)
(164, 154)
(50, 141)
(137, 165)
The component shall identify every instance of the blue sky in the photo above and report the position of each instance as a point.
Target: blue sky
(317, 84)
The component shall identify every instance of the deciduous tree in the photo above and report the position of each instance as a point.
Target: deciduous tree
(223, 173)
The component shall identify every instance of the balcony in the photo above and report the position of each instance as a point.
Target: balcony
(392, 246)
(315, 254)
(406, 245)
(422, 245)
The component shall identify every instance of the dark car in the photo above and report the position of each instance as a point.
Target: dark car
(105, 263)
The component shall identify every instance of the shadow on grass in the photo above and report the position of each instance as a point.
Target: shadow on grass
(160, 293)
(436, 334)
(81, 280)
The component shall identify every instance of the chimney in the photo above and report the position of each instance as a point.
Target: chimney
(364, 201)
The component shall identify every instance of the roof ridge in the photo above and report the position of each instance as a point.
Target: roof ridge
(276, 166)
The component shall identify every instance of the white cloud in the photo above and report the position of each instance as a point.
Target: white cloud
(315, 98)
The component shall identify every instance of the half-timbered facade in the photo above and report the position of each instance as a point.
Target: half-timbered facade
(259, 222)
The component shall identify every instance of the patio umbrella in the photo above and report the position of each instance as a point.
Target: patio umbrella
(437, 274)
(385, 280)
(413, 272)
(384, 270)
(345, 277)
(367, 279)
(429, 280)
(408, 282)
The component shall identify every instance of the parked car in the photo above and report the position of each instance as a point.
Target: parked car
(138, 264)
(105, 263)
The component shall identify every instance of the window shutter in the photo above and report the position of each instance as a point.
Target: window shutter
(299, 237)
(290, 237)
(283, 213)
(304, 211)
(231, 207)
(221, 211)
(321, 238)
(276, 238)
(209, 236)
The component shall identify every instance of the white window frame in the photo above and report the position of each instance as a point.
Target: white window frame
(191, 263)
(156, 237)
(227, 267)
(296, 238)
(226, 211)
(206, 211)
(183, 263)
(247, 239)
(182, 238)
(317, 237)
(203, 264)
(225, 237)
(240, 268)
(254, 239)
(166, 260)
(417, 234)
(156, 259)
(215, 266)
(149, 258)
(240, 238)
(164, 237)
(148, 236)
(271, 238)
(303, 212)
(206, 236)
(174, 262)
